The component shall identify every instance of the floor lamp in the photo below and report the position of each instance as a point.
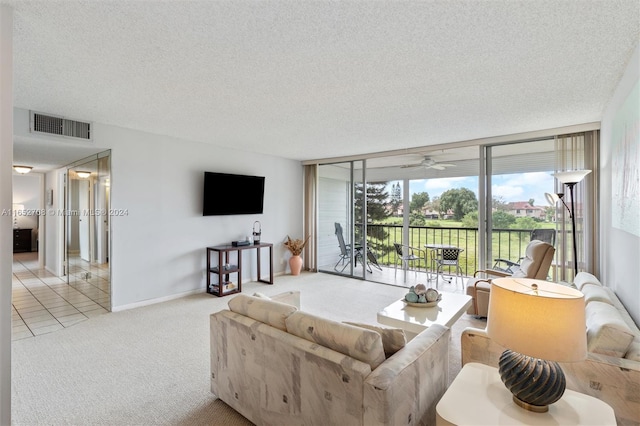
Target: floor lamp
(570, 179)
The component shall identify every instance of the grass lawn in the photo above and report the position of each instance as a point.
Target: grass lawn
(506, 243)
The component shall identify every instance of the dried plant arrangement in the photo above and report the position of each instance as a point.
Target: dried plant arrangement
(295, 246)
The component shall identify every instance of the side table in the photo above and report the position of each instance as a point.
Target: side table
(477, 396)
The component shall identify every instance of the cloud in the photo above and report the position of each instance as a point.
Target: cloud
(508, 193)
(523, 186)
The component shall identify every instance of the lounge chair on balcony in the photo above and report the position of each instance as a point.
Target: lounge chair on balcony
(346, 251)
(508, 266)
(535, 264)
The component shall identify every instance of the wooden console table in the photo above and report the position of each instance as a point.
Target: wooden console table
(225, 267)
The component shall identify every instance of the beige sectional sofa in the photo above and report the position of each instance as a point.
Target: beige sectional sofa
(277, 365)
(611, 371)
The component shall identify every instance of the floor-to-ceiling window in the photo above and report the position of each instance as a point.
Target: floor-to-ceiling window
(517, 177)
(484, 199)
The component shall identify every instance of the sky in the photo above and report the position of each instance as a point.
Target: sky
(512, 187)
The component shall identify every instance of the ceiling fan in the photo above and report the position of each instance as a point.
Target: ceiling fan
(430, 163)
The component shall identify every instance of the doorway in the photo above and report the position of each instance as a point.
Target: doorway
(87, 236)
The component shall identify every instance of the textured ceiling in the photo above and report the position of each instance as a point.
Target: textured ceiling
(316, 79)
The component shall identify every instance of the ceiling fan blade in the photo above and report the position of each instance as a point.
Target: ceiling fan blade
(437, 167)
(446, 165)
(410, 166)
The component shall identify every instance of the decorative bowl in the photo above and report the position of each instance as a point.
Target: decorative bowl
(424, 305)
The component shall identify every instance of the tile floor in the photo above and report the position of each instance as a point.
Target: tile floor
(44, 303)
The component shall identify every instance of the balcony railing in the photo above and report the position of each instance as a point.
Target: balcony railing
(506, 243)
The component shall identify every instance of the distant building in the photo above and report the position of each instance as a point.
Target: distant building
(524, 209)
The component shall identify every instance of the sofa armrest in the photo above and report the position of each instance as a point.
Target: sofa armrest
(491, 272)
(613, 380)
(406, 387)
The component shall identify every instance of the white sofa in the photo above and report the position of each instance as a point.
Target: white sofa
(611, 371)
(277, 365)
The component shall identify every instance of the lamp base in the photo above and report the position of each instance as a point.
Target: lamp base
(534, 383)
(530, 407)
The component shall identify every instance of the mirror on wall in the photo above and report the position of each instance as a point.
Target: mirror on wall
(88, 193)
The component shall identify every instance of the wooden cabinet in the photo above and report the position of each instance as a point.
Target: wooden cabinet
(21, 240)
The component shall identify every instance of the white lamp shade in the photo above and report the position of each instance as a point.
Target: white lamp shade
(573, 176)
(547, 323)
(552, 199)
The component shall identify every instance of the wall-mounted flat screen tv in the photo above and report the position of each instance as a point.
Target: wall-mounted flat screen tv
(228, 194)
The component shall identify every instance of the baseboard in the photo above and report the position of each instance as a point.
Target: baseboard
(156, 300)
(170, 297)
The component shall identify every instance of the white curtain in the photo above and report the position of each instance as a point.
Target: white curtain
(578, 151)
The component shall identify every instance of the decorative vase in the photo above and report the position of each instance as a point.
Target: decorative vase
(295, 263)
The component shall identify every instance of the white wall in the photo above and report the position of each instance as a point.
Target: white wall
(620, 250)
(159, 245)
(53, 224)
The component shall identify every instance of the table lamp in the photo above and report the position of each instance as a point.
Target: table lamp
(540, 323)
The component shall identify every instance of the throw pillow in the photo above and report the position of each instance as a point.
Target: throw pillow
(266, 311)
(393, 339)
(585, 278)
(596, 293)
(356, 342)
(607, 333)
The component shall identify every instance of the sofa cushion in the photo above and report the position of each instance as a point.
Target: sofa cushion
(393, 339)
(585, 278)
(607, 333)
(356, 342)
(263, 310)
(594, 292)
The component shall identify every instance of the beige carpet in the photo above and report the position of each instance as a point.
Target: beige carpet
(150, 366)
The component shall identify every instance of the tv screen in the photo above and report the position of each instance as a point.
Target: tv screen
(227, 194)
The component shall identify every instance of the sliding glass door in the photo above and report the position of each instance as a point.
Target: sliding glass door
(341, 227)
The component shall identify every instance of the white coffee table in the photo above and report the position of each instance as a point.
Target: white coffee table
(414, 320)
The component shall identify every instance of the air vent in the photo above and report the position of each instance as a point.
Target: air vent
(53, 125)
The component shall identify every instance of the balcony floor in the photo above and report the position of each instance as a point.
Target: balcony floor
(389, 275)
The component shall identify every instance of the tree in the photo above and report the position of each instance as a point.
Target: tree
(470, 220)
(416, 218)
(396, 197)
(418, 201)
(525, 223)
(502, 220)
(434, 205)
(549, 213)
(498, 203)
(460, 201)
(531, 202)
(377, 198)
